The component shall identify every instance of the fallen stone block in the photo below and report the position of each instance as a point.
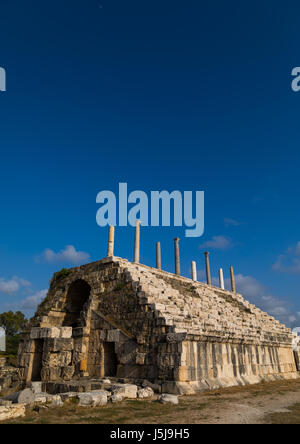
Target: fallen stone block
(12, 412)
(116, 398)
(56, 401)
(126, 390)
(92, 399)
(5, 403)
(40, 398)
(178, 388)
(23, 397)
(106, 381)
(145, 393)
(166, 398)
(69, 395)
(155, 387)
(36, 387)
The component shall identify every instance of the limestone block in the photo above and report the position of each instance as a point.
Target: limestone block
(92, 399)
(67, 372)
(106, 381)
(23, 397)
(60, 359)
(28, 346)
(140, 358)
(297, 358)
(117, 397)
(51, 374)
(155, 387)
(127, 390)
(56, 401)
(25, 359)
(145, 393)
(42, 333)
(58, 345)
(35, 333)
(40, 398)
(176, 337)
(178, 388)
(5, 403)
(113, 336)
(68, 395)
(166, 398)
(103, 335)
(66, 332)
(12, 412)
(36, 387)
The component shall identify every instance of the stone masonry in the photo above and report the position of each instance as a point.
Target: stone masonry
(120, 319)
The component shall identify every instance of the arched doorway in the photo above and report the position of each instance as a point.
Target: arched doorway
(78, 295)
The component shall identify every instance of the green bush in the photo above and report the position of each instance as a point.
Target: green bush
(62, 274)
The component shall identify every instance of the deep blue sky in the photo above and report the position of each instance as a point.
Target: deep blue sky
(162, 95)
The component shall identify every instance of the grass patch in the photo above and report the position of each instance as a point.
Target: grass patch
(292, 417)
(202, 408)
(62, 274)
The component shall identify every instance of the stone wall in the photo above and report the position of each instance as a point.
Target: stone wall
(116, 318)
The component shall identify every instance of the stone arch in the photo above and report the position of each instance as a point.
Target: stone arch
(77, 296)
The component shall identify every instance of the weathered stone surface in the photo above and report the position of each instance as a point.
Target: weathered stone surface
(117, 397)
(5, 403)
(36, 387)
(145, 393)
(12, 412)
(23, 397)
(40, 398)
(92, 399)
(155, 387)
(178, 388)
(56, 401)
(126, 390)
(113, 318)
(69, 395)
(10, 378)
(106, 381)
(166, 398)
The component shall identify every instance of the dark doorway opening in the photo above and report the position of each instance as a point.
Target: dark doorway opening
(110, 359)
(37, 362)
(78, 295)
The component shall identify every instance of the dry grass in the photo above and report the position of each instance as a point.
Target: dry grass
(291, 417)
(210, 407)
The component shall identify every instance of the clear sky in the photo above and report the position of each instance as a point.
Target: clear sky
(162, 95)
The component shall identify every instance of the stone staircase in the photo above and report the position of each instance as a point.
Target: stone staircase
(194, 308)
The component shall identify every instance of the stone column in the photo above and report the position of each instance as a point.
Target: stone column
(137, 242)
(158, 256)
(111, 241)
(221, 279)
(208, 277)
(177, 256)
(194, 271)
(232, 280)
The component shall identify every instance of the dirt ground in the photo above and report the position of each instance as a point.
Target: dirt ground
(266, 403)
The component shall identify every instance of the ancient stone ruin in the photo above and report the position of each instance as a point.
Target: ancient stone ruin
(115, 318)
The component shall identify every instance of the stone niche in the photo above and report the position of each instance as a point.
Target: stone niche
(116, 318)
